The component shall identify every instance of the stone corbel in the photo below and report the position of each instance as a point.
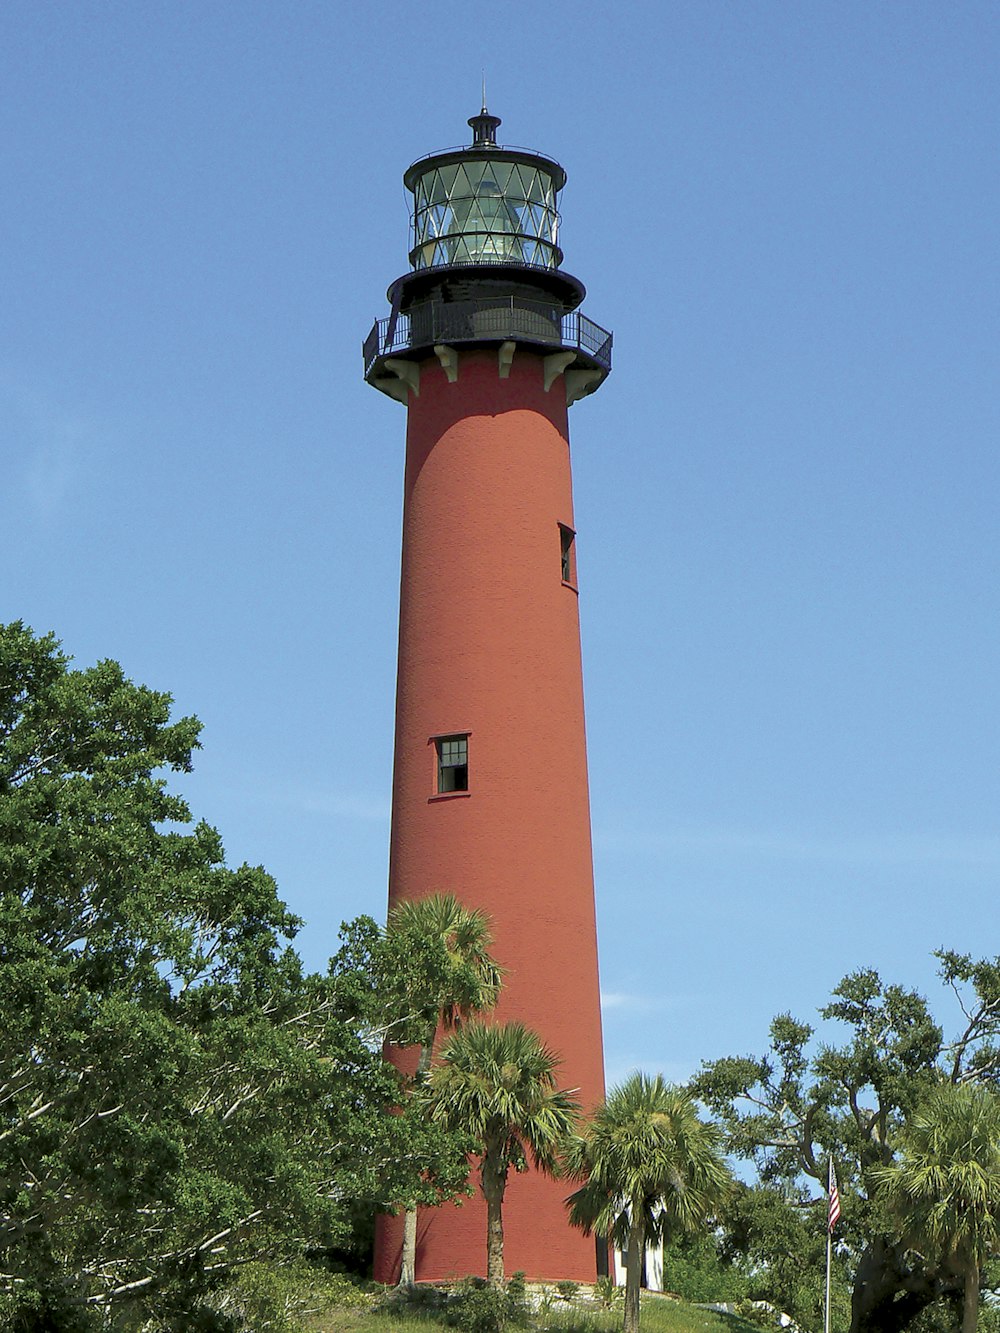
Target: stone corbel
(391, 387)
(554, 366)
(449, 361)
(579, 383)
(505, 357)
(406, 371)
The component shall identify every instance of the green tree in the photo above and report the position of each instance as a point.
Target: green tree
(459, 978)
(463, 978)
(176, 1094)
(786, 1111)
(943, 1193)
(497, 1083)
(694, 1269)
(652, 1170)
(777, 1241)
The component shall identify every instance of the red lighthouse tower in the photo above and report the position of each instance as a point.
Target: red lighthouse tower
(486, 347)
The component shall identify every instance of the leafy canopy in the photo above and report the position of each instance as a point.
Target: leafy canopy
(460, 977)
(942, 1195)
(646, 1153)
(788, 1111)
(652, 1170)
(497, 1082)
(176, 1094)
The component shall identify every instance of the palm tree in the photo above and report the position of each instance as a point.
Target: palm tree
(944, 1192)
(498, 1085)
(464, 979)
(652, 1169)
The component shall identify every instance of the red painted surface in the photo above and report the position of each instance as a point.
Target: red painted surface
(489, 644)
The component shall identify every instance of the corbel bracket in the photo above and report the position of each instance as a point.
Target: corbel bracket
(408, 372)
(580, 382)
(449, 361)
(505, 357)
(554, 365)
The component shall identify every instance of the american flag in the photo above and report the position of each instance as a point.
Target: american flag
(834, 1214)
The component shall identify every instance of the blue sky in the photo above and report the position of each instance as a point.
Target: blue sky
(786, 493)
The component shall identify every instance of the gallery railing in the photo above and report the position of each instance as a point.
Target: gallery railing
(490, 320)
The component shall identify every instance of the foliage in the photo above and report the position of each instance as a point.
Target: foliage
(778, 1245)
(269, 1298)
(477, 1307)
(497, 1084)
(442, 971)
(659, 1316)
(694, 1270)
(176, 1095)
(652, 1170)
(788, 1111)
(437, 970)
(471, 1305)
(943, 1193)
(608, 1292)
(405, 1311)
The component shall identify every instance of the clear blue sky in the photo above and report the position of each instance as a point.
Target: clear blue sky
(786, 494)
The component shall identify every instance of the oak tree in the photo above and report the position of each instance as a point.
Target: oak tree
(787, 1111)
(177, 1094)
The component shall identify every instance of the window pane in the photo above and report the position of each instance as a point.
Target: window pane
(453, 764)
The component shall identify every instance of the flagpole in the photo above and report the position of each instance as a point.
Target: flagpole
(832, 1218)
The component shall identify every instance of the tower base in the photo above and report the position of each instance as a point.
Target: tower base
(537, 1240)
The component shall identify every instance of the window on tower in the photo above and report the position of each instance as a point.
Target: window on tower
(452, 764)
(567, 554)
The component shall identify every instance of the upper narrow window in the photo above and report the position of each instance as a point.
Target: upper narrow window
(567, 554)
(453, 763)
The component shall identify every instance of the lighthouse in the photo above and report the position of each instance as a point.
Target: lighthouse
(487, 348)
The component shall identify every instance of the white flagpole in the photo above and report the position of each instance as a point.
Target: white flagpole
(829, 1249)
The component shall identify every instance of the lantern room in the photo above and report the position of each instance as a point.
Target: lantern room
(485, 204)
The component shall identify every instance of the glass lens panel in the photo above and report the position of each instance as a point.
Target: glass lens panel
(447, 175)
(536, 188)
(474, 172)
(502, 175)
(461, 188)
(515, 185)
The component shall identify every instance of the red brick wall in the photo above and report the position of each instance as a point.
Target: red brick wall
(490, 645)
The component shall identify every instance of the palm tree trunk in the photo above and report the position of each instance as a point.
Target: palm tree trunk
(494, 1242)
(970, 1305)
(494, 1182)
(633, 1270)
(408, 1259)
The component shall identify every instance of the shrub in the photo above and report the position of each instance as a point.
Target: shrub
(475, 1307)
(607, 1293)
(694, 1270)
(266, 1298)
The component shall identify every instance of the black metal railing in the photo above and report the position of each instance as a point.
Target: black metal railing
(488, 320)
